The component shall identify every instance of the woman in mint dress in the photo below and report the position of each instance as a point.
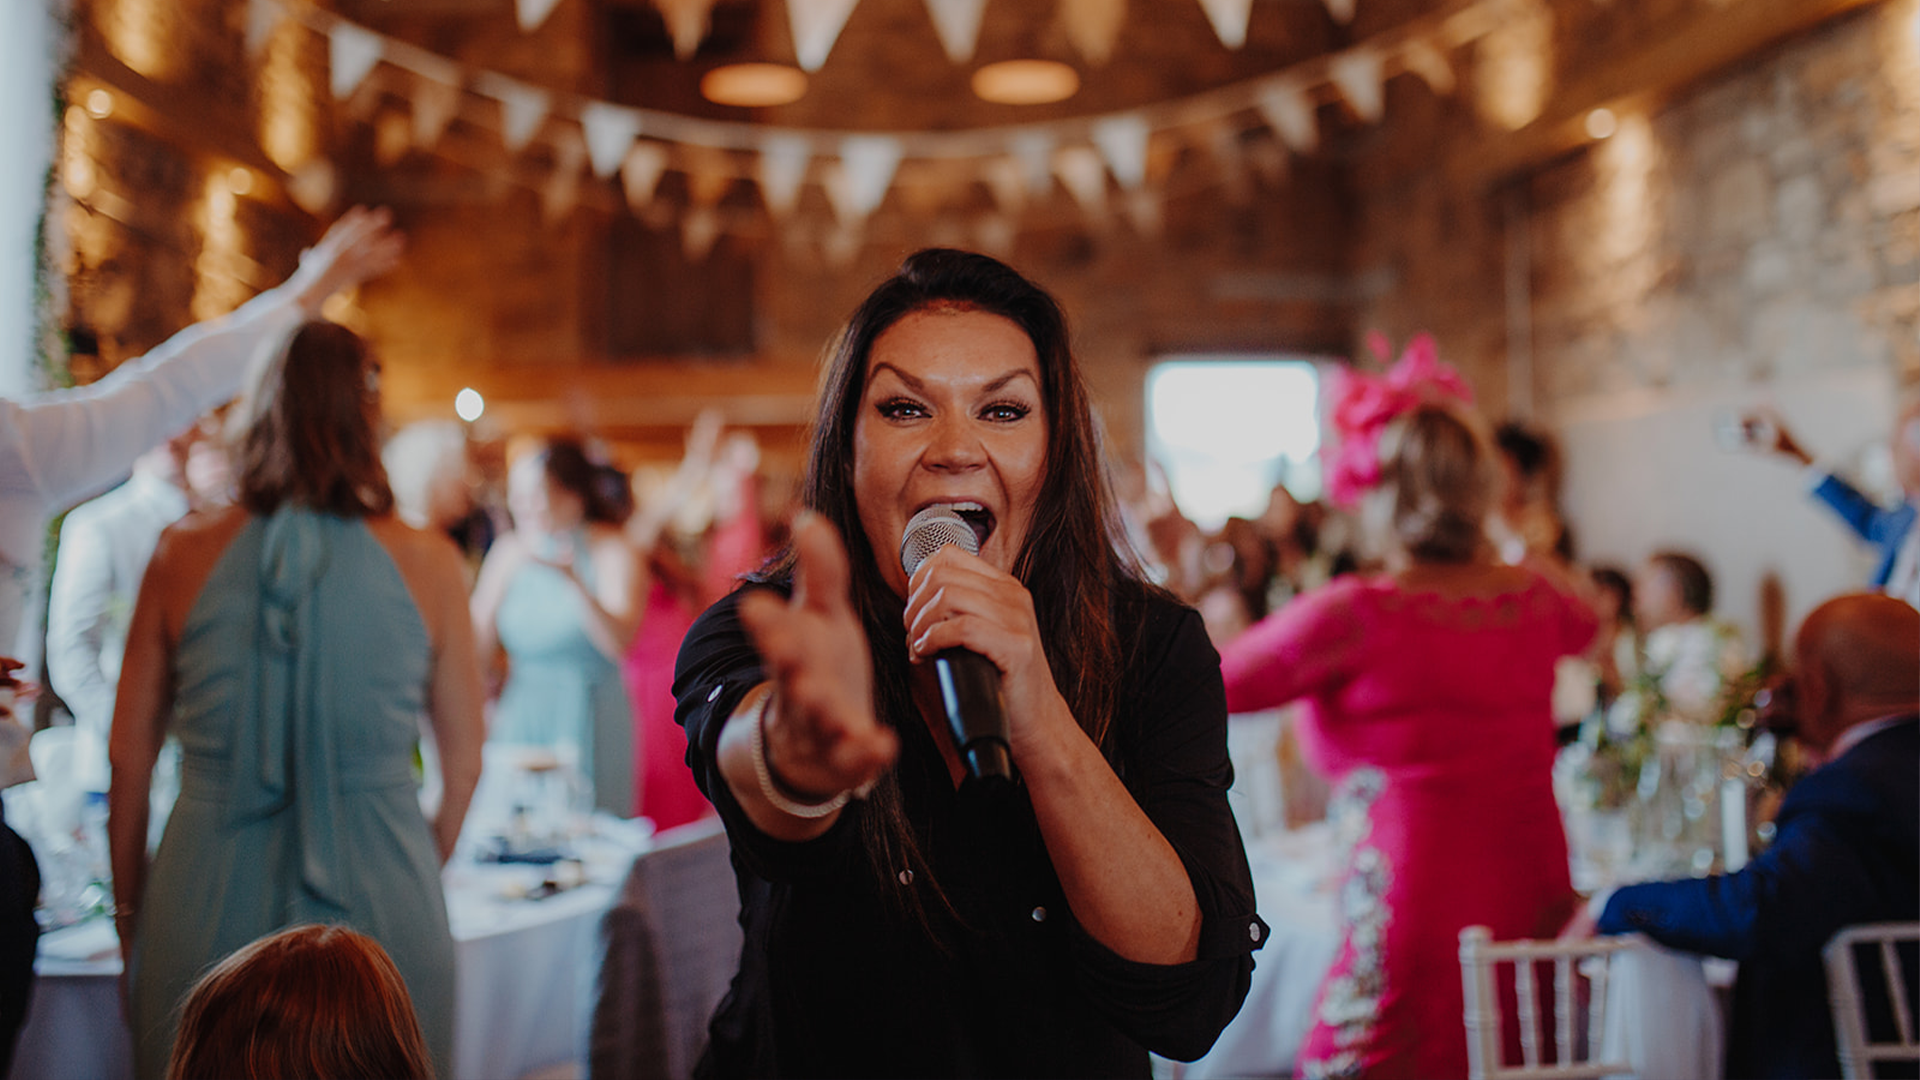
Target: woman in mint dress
(561, 597)
(293, 643)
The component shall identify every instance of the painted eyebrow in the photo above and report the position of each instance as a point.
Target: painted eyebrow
(993, 387)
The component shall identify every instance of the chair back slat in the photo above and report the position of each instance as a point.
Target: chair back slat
(1527, 988)
(1896, 990)
(1857, 1049)
(1481, 957)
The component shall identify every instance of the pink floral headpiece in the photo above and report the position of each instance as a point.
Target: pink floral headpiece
(1364, 404)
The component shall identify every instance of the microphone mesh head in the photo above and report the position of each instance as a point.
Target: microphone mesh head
(932, 529)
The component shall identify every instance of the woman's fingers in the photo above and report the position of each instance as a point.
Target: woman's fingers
(821, 733)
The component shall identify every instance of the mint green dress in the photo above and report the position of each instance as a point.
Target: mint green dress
(561, 690)
(300, 679)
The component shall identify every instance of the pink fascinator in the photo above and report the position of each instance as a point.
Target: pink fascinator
(1363, 404)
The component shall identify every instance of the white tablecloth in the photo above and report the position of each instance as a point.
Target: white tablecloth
(524, 975)
(1661, 1012)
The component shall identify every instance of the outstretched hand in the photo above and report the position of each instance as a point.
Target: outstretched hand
(360, 246)
(822, 736)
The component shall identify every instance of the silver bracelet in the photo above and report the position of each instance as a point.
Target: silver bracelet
(786, 804)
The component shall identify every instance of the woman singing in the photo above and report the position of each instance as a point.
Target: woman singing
(899, 922)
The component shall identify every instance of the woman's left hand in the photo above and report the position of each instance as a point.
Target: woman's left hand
(957, 600)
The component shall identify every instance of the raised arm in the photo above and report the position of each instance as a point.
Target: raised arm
(75, 442)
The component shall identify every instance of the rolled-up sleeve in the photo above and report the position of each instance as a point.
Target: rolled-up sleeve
(1171, 747)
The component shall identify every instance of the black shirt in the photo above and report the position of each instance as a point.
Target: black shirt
(834, 981)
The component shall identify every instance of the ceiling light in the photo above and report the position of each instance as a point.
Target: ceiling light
(754, 86)
(1602, 123)
(1026, 82)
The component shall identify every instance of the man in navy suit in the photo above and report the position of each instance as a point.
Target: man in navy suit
(1890, 529)
(1846, 849)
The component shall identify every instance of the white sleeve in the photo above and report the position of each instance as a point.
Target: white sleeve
(78, 615)
(68, 444)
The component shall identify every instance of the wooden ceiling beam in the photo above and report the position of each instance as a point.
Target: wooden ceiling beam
(1711, 37)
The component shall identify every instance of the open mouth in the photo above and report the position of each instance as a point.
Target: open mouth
(978, 518)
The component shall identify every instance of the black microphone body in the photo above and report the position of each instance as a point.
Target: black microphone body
(969, 683)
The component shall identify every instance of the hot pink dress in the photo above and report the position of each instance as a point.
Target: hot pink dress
(1431, 715)
(663, 788)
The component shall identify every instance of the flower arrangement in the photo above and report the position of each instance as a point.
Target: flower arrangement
(1363, 404)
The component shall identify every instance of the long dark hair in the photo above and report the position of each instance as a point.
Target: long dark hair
(308, 428)
(1069, 562)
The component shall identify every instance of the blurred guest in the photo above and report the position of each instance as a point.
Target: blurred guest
(1846, 849)
(62, 446)
(562, 596)
(664, 787)
(1890, 529)
(103, 553)
(901, 920)
(292, 642)
(1526, 521)
(428, 467)
(313, 1001)
(1690, 655)
(1616, 647)
(1429, 689)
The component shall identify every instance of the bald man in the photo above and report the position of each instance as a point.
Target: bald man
(1846, 848)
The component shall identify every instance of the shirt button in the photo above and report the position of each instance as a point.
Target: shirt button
(1253, 931)
(716, 691)
(1039, 914)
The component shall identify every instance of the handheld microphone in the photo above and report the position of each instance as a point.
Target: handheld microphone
(969, 683)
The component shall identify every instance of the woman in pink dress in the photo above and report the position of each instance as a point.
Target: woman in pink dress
(1428, 687)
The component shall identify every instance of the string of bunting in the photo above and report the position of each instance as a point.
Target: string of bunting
(1017, 164)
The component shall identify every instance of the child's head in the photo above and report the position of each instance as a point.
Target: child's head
(314, 1001)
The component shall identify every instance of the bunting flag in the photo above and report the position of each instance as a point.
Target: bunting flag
(1084, 176)
(1122, 141)
(533, 13)
(1017, 164)
(640, 173)
(434, 106)
(1143, 211)
(1034, 151)
(699, 228)
(522, 109)
(958, 24)
(867, 165)
(610, 131)
(1287, 109)
(562, 191)
(816, 26)
(351, 53)
(783, 165)
(1007, 181)
(687, 23)
(1093, 26)
(1229, 19)
(1341, 10)
(1359, 76)
(263, 18)
(1424, 58)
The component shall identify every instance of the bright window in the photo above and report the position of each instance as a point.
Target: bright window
(1226, 429)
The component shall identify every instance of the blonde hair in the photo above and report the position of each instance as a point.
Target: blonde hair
(415, 457)
(316, 1001)
(1437, 479)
